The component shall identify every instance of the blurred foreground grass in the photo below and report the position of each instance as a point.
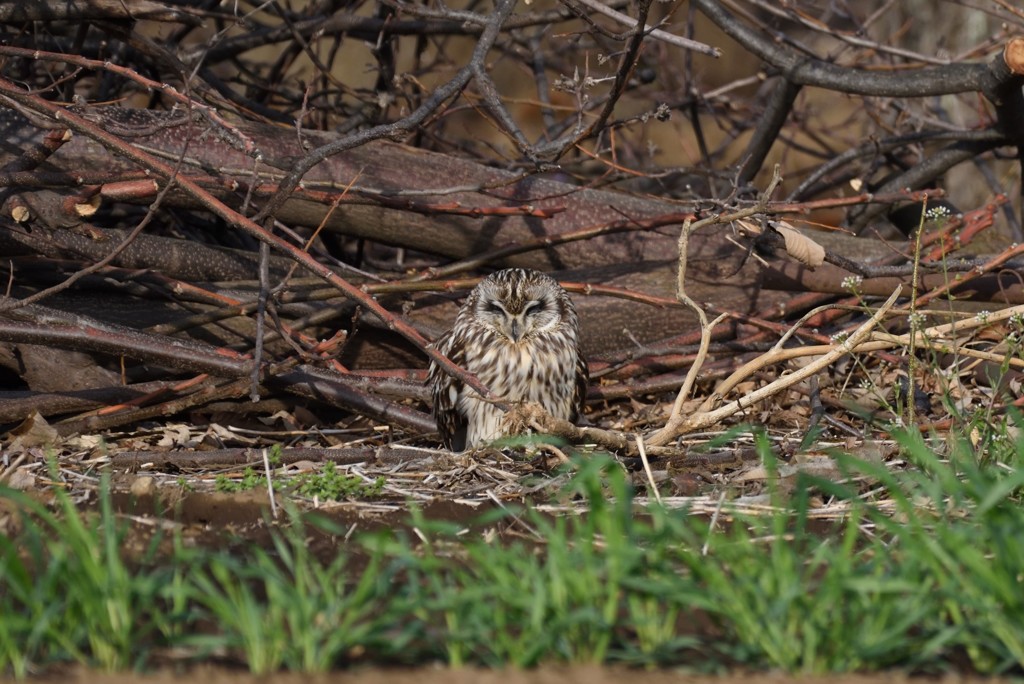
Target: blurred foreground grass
(930, 581)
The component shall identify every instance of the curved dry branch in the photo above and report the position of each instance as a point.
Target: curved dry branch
(802, 70)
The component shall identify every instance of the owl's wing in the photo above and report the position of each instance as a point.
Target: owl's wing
(579, 393)
(445, 392)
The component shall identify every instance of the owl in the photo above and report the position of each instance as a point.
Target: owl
(518, 333)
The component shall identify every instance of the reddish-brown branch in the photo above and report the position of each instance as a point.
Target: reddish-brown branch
(961, 232)
(853, 201)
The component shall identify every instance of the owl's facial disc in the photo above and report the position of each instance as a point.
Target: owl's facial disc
(520, 317)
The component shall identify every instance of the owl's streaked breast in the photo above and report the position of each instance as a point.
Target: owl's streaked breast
(543, 366)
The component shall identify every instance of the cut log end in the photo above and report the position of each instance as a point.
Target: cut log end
(1013, 55)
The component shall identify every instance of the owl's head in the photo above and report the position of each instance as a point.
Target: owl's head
(520, 303)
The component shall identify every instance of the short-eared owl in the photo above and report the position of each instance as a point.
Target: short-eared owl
(518, 333)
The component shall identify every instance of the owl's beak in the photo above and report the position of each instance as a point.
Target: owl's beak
(515, 330)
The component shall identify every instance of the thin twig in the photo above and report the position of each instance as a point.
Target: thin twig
(658, 34)
(270, 483)
(647, 467)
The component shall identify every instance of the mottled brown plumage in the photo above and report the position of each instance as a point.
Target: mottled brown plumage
(518, 333)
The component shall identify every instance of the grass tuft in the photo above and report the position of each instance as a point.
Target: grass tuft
(68, 594)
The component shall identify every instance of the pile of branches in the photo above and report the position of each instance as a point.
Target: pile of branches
(208, 203)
